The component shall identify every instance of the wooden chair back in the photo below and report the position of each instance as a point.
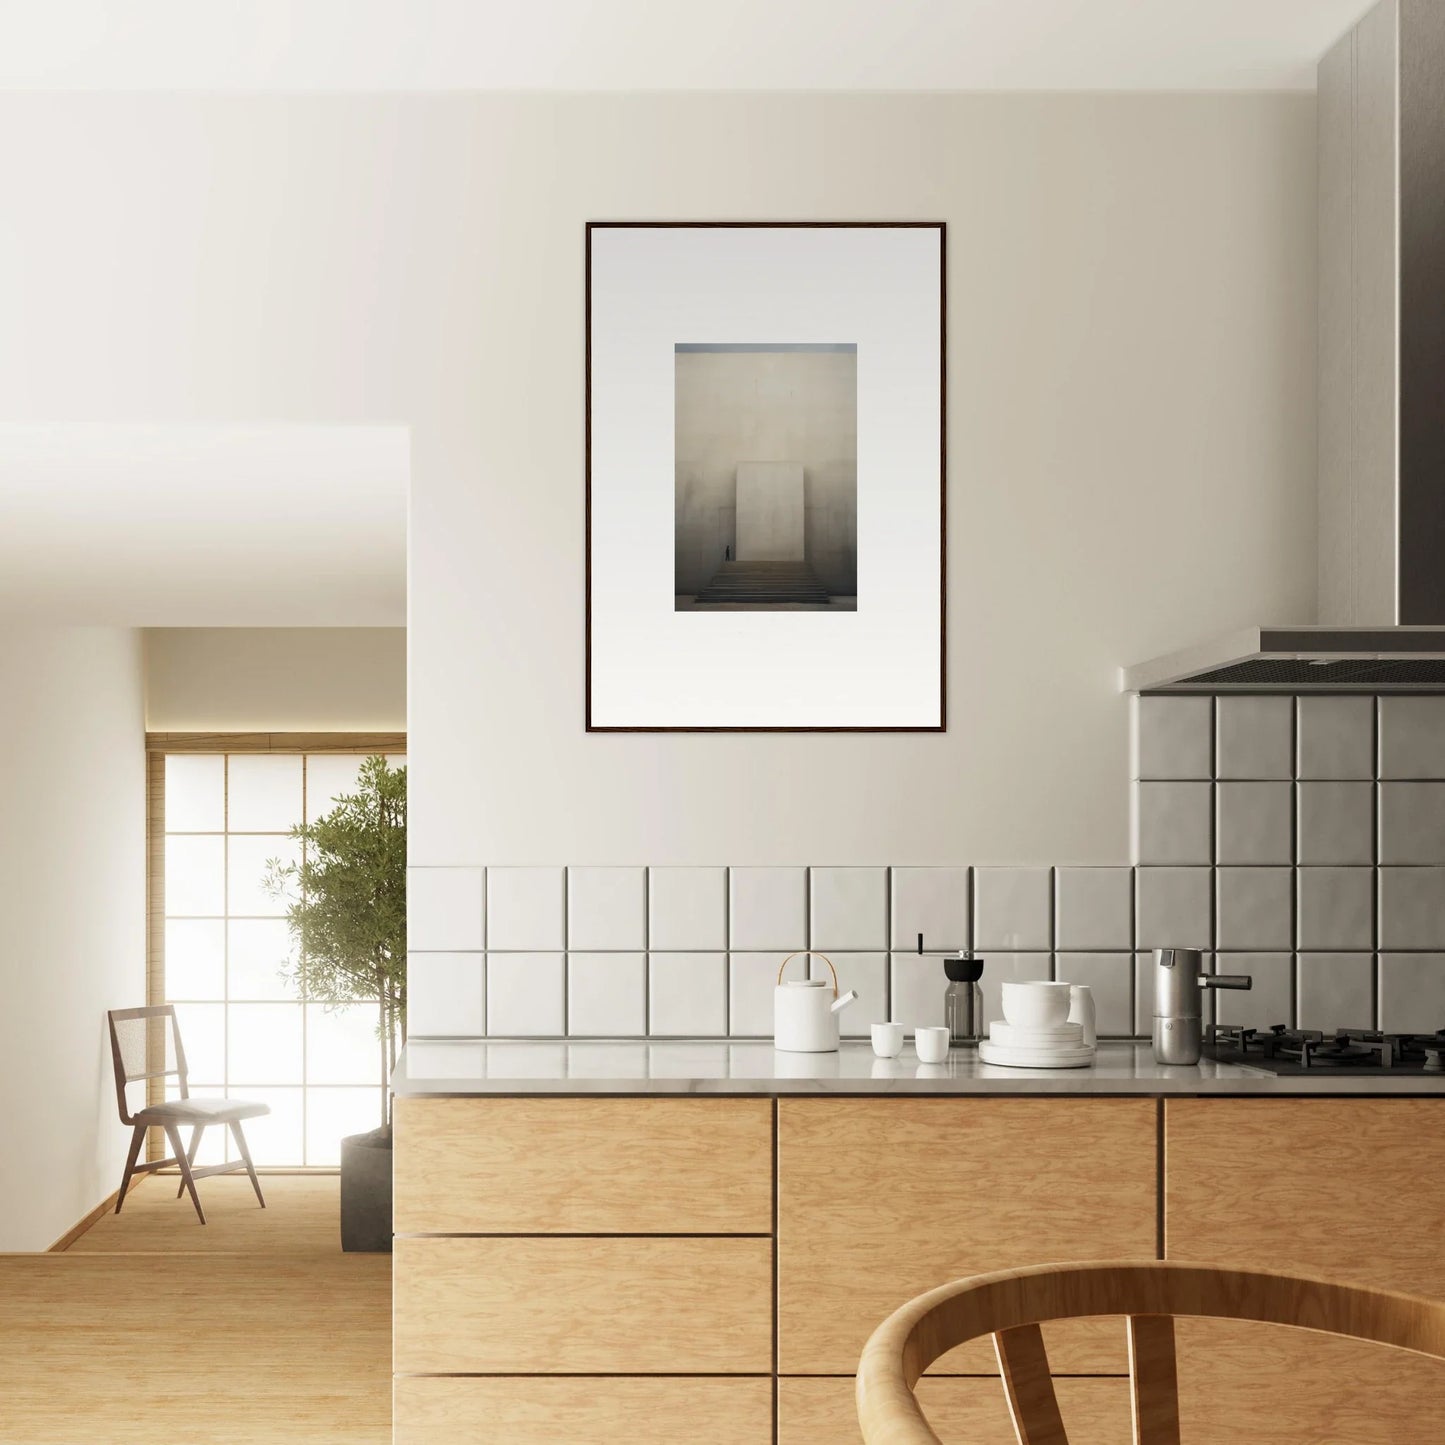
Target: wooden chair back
(145, 1043)
(1011, 1305)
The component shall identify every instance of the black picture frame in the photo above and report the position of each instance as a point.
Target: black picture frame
(942, 228)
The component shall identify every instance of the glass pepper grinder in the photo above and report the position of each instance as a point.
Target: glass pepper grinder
(963, 999)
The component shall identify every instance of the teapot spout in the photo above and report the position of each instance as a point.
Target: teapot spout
(841, 1003)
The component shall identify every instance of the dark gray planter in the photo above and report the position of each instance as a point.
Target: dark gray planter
(366, 1192)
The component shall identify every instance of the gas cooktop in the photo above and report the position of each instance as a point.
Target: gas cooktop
(1282, 1050)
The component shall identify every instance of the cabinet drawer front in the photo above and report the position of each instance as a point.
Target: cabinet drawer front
(523, 1410)
(880, 1200)
(1274, 1386)
(573, 1306)
(822, 1411)
(584, 1166)
(1381, 1224)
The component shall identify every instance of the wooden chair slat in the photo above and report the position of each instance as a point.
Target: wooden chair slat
(1153, 1380)
(1023, 1363)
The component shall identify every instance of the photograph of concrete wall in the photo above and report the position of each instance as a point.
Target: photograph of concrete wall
(766, 491)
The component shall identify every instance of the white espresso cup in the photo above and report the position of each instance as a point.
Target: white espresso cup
(887, 1040)
(932, 1044)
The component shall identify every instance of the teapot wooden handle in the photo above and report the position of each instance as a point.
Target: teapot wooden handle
(810, 953)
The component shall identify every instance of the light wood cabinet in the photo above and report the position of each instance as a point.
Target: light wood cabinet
(881, 1199)
(1342, 1188)
(583, 1166)
(968, 1409)
(609, 1270)
(526, 1410)
(570, 1306)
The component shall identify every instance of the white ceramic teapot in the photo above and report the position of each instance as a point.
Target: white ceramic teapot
(805, 1010)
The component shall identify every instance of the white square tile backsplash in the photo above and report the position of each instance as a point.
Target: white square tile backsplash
(446, 995)
(687, 909)
(1412, 737)
(768, 908)
(1254, 823)
(1094, 908)
(1173, 737)
(1336, 737)
(1314, 826)
(606, 908)
(444, 909)
(1335, 990)
(1012, 908)
(849, 907)
(932, 902)
(1254, 737)
(1255, 908)
(1412, 823)
(607, 994)
(1412, 908)
(526, 909)
(1412, 992)
(688, 994)
(1172, 825)
(1336, 909)
(526, 994)
(1336, 824)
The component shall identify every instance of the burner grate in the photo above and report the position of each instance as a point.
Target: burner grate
(1357, 1050)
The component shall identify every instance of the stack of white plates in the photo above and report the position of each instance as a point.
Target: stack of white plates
(1057, 1046)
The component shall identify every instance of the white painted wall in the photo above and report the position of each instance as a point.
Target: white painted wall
(288, 679)
(72, 897)
(1131, 410)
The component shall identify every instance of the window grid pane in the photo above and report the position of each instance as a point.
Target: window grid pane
(319, 1068)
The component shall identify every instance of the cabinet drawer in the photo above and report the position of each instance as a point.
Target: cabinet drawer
(822, 1412)
(1346, 1188)
(540, 1411)
(584, 1166)
(1274, 1386)
(880, 1200)
(574, 1306)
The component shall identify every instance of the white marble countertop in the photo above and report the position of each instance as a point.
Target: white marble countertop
(719, 1066)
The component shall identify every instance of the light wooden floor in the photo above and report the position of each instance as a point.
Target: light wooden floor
(253, 1330)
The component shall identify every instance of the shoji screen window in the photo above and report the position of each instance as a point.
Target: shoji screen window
(230, 967)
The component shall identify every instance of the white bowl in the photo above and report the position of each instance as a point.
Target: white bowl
(1033, 1004)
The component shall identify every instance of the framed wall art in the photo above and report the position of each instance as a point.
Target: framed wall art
(765, 476)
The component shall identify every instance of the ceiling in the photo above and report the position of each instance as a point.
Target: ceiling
(365, 45)
(158, 526)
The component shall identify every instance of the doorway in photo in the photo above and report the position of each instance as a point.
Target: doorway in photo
(766, 477)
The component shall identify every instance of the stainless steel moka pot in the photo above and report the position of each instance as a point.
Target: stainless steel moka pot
(1179, 984)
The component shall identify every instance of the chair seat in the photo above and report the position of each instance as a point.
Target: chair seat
(201, 1111)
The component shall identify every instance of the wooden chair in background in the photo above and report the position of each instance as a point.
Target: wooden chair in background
(145, 1043)
(1011, 1305)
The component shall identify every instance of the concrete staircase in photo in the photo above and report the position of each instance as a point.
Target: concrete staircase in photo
(764, 582)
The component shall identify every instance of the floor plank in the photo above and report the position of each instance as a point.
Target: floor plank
(301, 1217)
(157, 1335)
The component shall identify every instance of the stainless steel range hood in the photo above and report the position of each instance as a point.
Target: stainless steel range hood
(1302, 659)
(1381, 389)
